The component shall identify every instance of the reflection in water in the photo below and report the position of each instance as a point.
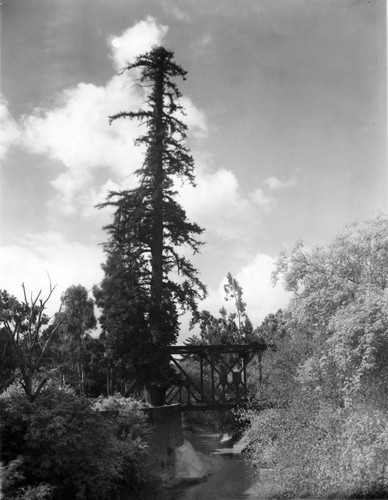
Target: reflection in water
(230, 475)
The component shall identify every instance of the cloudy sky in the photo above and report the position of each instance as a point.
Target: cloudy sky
(286, 104)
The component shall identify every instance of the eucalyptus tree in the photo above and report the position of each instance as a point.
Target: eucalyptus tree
(78, 320)
(149, 226)
(232, 328)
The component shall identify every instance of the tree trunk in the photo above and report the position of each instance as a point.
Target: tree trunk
(157, 229)
(107, 383)
(29, 390)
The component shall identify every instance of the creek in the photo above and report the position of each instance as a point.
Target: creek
(230, 476)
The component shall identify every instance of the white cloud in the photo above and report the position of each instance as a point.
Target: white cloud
(261, 296)
(201, 46)
(265, 201)
(10, 132)
(262, 200)
(195, 118)
(176, 11)
(93, 197)
(79, 137)
(39, 255)
(274, 183)
(259, 293)
(76, 133)
(136, 40)
(217, 204)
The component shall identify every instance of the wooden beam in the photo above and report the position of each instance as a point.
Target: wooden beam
(188, 378)
(230, 348)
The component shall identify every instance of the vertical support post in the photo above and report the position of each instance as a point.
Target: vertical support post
(188, 393)
(212, 376)
(244, 360)
(223, 382)
(237, 381)
(201, 373)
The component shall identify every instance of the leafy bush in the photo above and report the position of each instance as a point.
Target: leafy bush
(131, 427)
(261, 437)
(12, 475)
(319, 449)
(81, 453)
(364, 452)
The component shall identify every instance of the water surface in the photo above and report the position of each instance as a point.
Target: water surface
(230, 475)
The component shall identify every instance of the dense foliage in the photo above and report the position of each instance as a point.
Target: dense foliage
(59, 445)
(78, 321)
(327, 378)
(232, 328)
(35, 348)
(74, 357)
(8, 361)
(125, 332)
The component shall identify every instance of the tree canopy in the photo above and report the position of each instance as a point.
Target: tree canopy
(232, 328)
(340, 304)
(69, 349)
(327, 428)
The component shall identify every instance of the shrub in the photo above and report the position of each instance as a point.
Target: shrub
(132, 429)
(64, 442)
(11, 476)
(317, 449)
(260, 437)
(363, 459)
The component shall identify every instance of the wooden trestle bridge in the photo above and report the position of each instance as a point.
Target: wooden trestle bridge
(213, 377)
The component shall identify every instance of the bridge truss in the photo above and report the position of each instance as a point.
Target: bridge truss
(213, 377)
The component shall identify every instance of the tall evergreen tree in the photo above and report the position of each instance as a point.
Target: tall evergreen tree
(148, 224)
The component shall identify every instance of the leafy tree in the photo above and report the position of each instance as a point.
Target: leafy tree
(233, 328)
(329, 372)
(125, 332)
(339, 297)
(63, 362)
(78, 320)
(222, 330)
(234, 291)
(273, 327)
(28, 332)
(75, 357)
(149, 225)
(96, 367)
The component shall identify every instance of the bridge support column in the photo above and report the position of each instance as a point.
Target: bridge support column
(166, 436)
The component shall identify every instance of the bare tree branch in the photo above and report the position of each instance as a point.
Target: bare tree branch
(23, 324)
